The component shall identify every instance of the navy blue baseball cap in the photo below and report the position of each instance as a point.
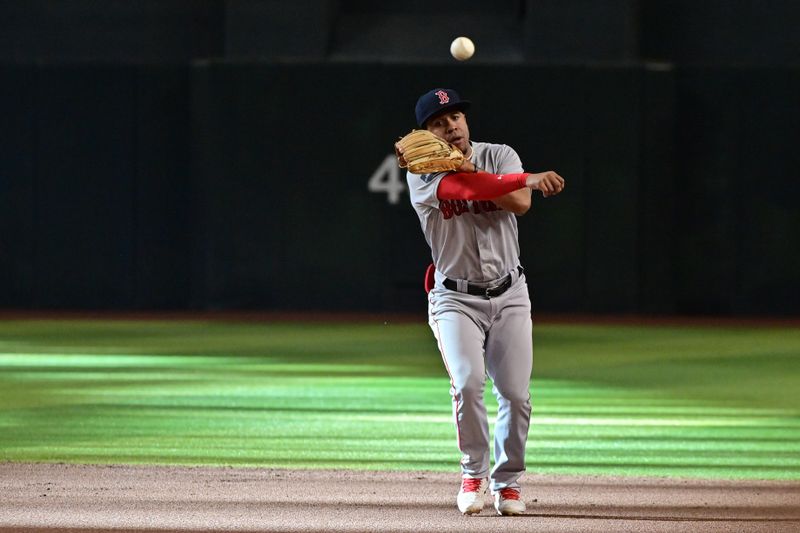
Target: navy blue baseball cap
(437, 100)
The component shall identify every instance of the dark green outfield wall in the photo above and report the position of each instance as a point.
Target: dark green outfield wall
(738, 178)
(224, 185)
(95, 184)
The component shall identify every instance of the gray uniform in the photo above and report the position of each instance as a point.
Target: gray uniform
(476, 243)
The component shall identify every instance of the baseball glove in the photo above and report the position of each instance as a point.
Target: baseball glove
(424, 153)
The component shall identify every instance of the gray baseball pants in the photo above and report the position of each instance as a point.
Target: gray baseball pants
(479, 337)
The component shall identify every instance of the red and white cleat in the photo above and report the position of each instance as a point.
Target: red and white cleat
(508, 502)
(470, 497)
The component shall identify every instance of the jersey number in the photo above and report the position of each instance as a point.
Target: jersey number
(386, 178)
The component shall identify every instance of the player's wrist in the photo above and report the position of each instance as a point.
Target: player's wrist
(530, 181)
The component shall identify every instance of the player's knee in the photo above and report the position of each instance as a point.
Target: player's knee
(470, 389)
(520, 399)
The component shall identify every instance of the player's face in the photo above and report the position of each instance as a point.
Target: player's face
(452, 127)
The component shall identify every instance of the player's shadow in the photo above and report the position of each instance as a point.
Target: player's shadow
(658, 518)
(675, 516)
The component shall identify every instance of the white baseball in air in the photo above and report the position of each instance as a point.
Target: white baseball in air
(462, 48)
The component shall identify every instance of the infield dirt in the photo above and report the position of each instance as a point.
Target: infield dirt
(73, 498)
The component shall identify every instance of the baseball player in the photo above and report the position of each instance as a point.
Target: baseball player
(479, 308)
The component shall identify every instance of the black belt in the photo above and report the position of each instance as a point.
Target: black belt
(489, 292)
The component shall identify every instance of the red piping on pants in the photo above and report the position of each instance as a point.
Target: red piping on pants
(452, 383)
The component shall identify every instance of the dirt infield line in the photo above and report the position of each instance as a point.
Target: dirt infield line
(77, 498)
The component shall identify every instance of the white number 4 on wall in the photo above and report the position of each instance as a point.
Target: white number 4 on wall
(386, 178)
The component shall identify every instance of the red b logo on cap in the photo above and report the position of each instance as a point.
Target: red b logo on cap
(443, 98)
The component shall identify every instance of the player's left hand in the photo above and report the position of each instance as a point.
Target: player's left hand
(467, 166)
(398, 152)
(422, 152)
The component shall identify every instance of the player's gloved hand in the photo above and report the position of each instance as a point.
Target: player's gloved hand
(398, 152)
(423, 152)
(467, 166)
(548, 182)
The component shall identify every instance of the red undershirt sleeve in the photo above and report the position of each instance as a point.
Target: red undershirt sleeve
(478, 185)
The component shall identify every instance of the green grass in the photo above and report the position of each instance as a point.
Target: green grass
(701, 401)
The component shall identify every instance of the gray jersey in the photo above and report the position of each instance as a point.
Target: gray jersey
(469, 240)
